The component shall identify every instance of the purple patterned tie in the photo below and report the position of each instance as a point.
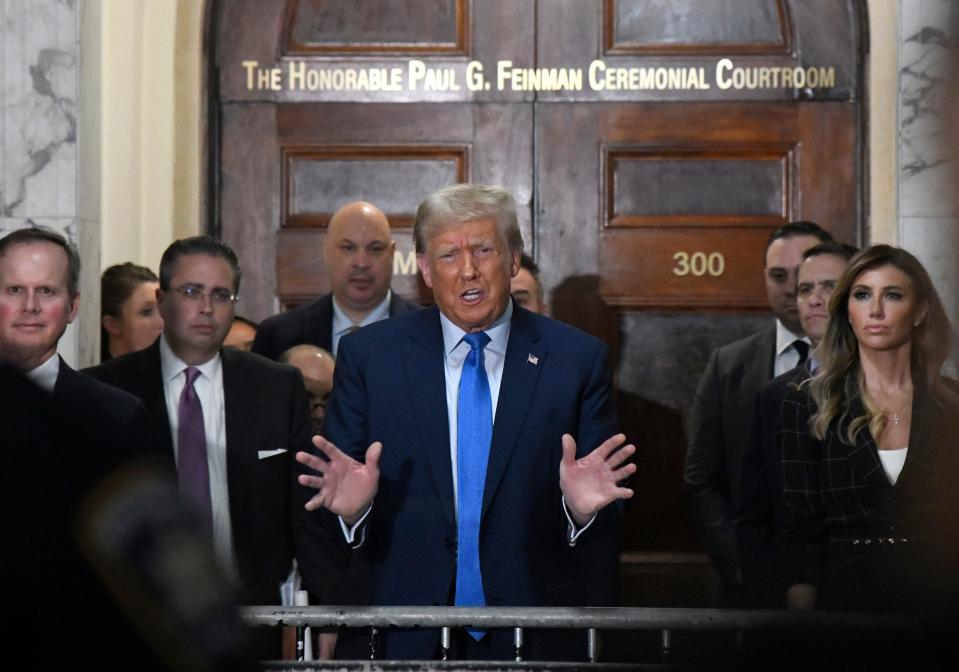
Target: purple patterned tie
(192, 469)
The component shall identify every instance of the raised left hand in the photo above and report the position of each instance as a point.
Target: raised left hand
(591, 482)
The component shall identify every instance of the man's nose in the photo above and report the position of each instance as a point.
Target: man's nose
(362, 259)
(468, 268)
(31, 302)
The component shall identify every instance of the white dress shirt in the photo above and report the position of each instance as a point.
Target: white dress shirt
(209, 390)
(45, 375)
(342, 324)
(786, 356)
(455, 350)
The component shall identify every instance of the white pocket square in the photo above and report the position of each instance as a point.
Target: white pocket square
(263, 454)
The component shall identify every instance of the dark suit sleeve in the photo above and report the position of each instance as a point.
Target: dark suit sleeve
(597, 550)
(346, 424)
(705, 478)
(803, 535)
(319, 548)
(755, 538)
(264, 343)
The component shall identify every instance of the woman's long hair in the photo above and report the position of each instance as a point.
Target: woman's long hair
(839, 378)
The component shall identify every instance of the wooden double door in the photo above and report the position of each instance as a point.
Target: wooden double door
(647, 209)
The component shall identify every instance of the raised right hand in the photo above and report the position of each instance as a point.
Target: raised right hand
(345, 487)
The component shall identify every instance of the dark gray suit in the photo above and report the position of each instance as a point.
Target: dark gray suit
(720, 423)
(311, 324)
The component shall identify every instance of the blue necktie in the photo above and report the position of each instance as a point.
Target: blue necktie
(474, 430)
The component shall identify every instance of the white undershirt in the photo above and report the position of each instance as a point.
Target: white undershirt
(892, 461)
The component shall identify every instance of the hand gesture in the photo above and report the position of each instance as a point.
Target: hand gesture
(346, 487)
(590, 483)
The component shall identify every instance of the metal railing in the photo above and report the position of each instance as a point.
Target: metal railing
(591, 619)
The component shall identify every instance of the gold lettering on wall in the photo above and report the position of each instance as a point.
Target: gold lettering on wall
(699, 264)
(404, 264)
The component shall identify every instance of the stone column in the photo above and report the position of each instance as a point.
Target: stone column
(927, 226)
(40, 157)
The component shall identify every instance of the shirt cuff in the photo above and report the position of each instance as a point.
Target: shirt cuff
(572, 532)
(350, 532)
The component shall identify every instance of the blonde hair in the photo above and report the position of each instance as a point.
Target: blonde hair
(840, 377)
(465, 203)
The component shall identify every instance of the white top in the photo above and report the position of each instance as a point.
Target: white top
(342, 323)
(45, 375)
(786, 356)
(892, 461)
(209, 390)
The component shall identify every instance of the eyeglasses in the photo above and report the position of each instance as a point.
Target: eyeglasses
(220, 297)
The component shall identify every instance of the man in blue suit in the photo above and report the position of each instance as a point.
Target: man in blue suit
(481, 420)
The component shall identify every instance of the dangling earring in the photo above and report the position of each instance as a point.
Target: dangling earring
(916, 323)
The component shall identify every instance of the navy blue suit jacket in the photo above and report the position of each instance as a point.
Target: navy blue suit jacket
(390, 386)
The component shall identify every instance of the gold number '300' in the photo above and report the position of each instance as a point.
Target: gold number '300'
(699, 264)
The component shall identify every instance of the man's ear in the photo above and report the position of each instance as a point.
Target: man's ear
(74, 307)
(514, 269)
(424, 265)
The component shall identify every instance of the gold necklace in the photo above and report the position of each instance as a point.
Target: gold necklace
(897, 417)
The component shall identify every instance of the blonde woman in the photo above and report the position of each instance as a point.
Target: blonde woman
(868, 448)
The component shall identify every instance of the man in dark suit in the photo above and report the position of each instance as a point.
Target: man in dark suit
(474, 413)
(39, 297)
(232, 421)
(358, 258)
(720, 420)
(759, 511)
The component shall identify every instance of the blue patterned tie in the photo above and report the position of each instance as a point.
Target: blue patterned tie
(474, 430)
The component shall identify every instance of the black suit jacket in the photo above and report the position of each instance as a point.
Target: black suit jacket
(71, 460)
(759, 508)
(720, 422)
(266, 409)
(99, 410)
(311, 323)
(866, 542)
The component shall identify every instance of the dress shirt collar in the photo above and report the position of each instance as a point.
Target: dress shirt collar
(785, 338)
(342, 322)
(172, 366)
(498, 333)
(45, 375)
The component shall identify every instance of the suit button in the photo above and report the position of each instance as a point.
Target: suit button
(447, 543)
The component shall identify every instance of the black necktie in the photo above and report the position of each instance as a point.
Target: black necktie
(803, 349)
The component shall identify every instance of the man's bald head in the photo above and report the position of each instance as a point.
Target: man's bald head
(358, 253)
(316, 365)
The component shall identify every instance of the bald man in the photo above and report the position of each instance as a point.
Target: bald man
(358, 259)
(316, 365)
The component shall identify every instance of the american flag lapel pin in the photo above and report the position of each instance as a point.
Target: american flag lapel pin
(532, 359)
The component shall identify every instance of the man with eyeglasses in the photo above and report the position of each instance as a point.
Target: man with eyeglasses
(232, 422)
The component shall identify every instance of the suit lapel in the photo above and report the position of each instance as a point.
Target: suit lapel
(148, 377)
(864, 455)
(240, 417)
(318, 323)
(520, 376)
(426, 378)
(918, 469)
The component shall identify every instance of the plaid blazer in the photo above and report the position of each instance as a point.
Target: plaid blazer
(866, 542)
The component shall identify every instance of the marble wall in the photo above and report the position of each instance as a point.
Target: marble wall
(927, 225)
(39, 101)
